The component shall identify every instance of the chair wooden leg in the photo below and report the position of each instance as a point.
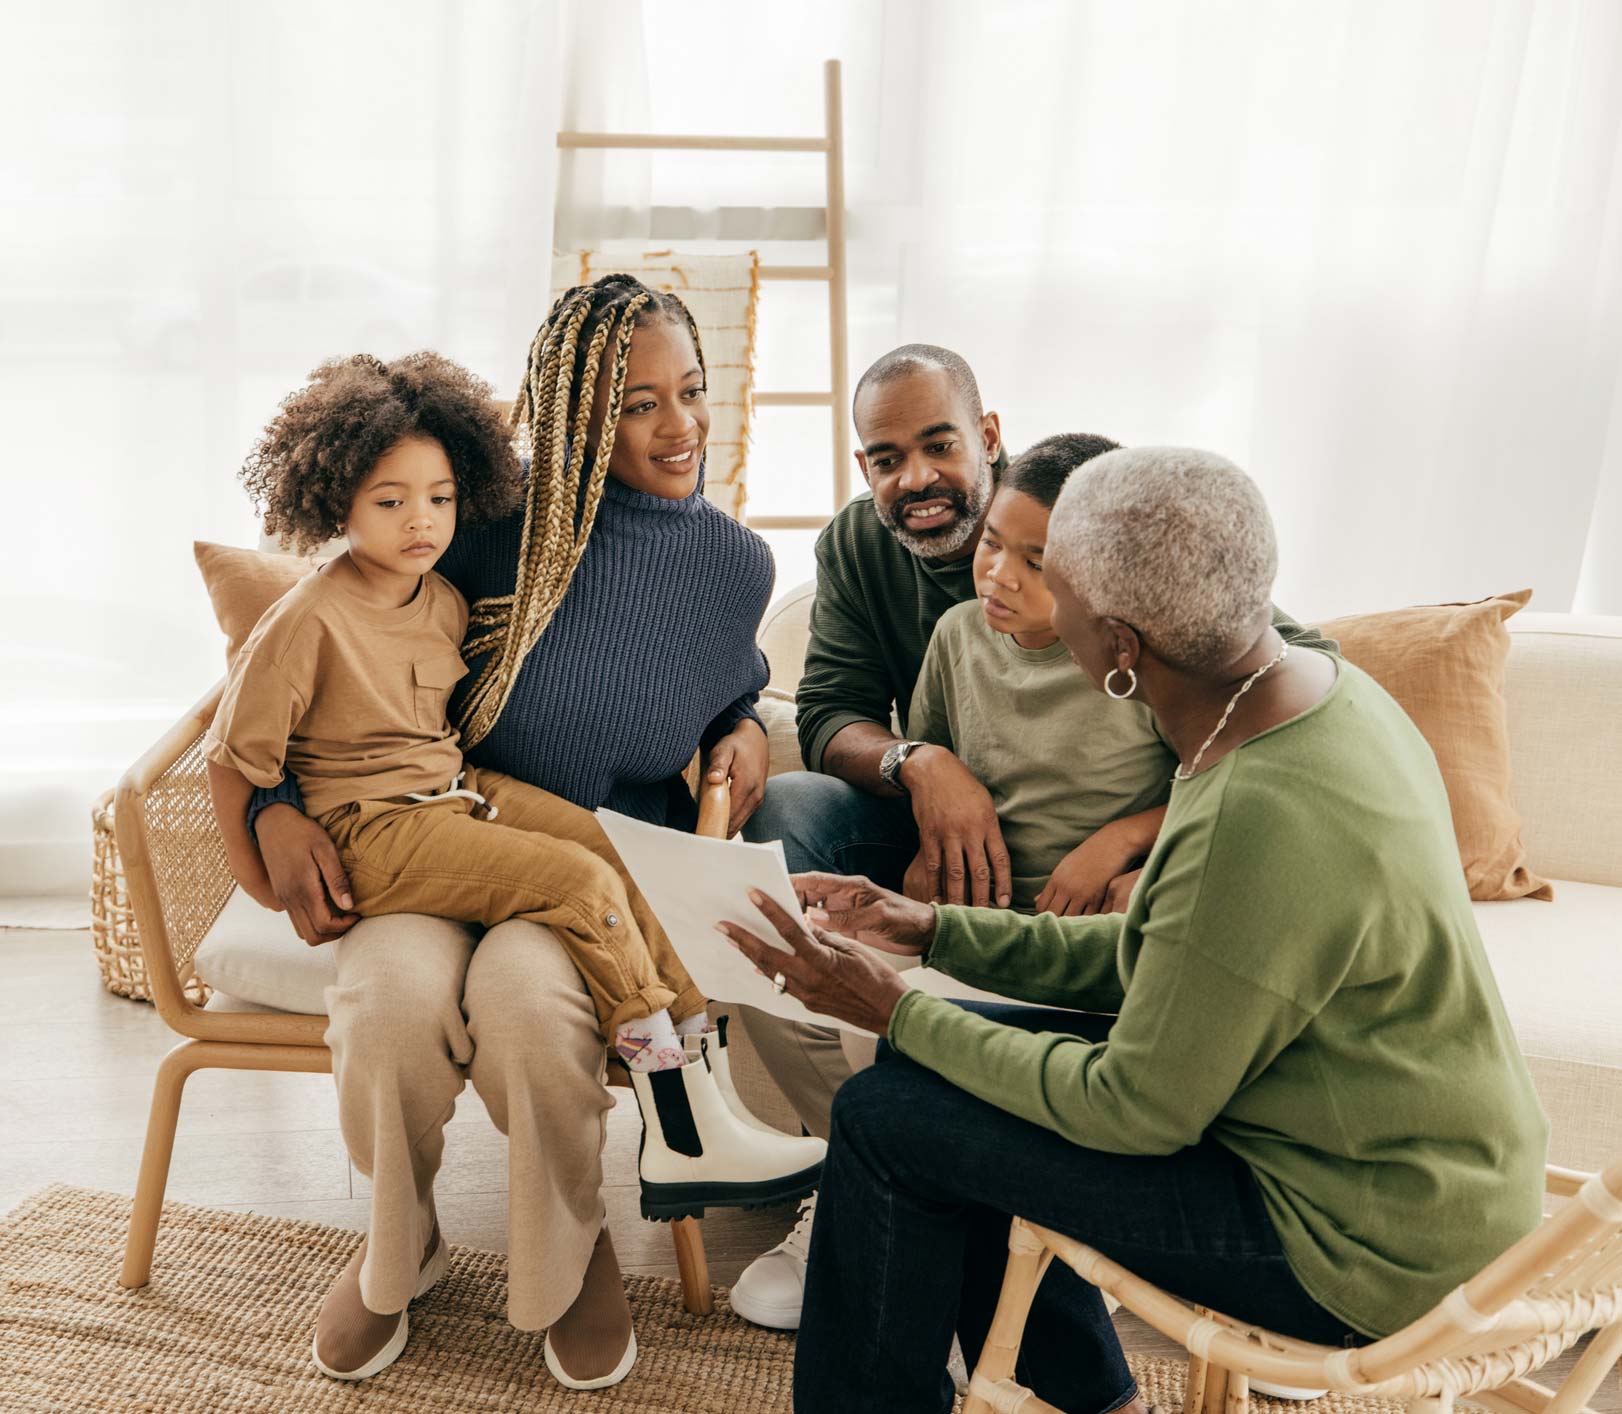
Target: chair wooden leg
(1237, 1400)
(1212, 1394)
(155, 1156)
(1027, 1263)
(1596, 1362)
(688, 1236)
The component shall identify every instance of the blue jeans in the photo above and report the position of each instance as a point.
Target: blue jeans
(827, 824)
(911, 1240)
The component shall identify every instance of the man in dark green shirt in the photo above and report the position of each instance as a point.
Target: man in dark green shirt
(888, 566)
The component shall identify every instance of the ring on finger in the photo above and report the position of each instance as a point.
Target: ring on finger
(779, 982)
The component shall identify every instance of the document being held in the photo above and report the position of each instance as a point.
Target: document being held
(693, 882)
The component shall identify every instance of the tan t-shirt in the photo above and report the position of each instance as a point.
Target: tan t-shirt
(347, 696)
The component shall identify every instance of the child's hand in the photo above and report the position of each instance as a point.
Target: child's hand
(915, 882)
(1081, 883)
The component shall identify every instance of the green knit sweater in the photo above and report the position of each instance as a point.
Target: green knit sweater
(1298, 973)
(875, 609)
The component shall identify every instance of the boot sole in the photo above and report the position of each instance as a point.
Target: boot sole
(437, 1266)
(664, 1202)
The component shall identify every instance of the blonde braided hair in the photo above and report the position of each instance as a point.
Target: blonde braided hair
(565, 360)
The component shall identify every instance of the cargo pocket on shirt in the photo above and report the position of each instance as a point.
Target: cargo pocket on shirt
(434, 679)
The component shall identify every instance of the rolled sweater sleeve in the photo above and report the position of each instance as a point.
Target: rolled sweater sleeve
(846, 679)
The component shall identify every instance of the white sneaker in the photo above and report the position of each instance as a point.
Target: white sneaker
(1285, 1391)
(771, 1290)
(696, 1153)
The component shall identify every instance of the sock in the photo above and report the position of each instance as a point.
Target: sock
(649, 1043)
(695, 1025)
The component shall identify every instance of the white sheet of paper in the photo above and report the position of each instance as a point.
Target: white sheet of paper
(693, 882)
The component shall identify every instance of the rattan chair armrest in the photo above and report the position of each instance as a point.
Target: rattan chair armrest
(1564, 1183)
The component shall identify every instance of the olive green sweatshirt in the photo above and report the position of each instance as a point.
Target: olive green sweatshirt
(875, 609)
(1298, 974)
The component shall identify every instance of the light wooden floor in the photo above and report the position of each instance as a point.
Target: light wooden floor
(76, 1068)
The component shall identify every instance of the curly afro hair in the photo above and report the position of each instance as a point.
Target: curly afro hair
(328, 435)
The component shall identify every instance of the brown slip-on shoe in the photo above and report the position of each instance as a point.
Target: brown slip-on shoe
(592, 1345)
(353, 1342)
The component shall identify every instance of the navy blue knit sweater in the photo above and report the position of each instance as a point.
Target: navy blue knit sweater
(651, 654)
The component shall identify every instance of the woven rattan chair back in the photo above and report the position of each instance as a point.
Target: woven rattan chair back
(1524, 1309)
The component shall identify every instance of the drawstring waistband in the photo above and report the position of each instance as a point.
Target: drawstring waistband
(454, 791)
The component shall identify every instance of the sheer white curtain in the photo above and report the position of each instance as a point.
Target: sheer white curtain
(203, 200)
(1372, 250)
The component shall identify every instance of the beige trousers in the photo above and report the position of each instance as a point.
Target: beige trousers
(421, 1006)
(809, 1063)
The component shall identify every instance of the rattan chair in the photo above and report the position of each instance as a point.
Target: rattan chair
(178, 879)
(1524, 1309)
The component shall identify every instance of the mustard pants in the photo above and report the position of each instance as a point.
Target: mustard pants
(543, 859)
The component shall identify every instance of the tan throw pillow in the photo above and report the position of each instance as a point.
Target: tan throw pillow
(1444, 663)
(242, 584)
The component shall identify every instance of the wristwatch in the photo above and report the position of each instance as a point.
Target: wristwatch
(894, 758)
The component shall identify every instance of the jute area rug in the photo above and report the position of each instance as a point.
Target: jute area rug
(224, 1327)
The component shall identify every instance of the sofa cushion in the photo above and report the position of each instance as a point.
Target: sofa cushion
(253, 955)
(1559, 969)
(784, 635)
(1444, 664)
(1563, 691)
(783, 742)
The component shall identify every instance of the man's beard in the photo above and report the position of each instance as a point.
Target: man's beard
(970, 509)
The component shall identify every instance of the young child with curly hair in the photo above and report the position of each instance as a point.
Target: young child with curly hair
(344, 683)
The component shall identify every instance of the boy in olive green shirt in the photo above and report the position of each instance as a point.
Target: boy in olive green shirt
(1079, 782)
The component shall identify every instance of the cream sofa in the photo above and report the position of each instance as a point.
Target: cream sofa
(1559, 965)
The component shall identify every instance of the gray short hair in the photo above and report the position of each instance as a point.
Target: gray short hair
(1173, 541)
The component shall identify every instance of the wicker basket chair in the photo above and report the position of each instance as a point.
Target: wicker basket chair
(1525, 1308)
(178, 880)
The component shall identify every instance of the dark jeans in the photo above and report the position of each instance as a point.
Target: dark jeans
(911, 1240)
(826, 824)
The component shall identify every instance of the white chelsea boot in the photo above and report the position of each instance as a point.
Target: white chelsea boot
(696, 1153)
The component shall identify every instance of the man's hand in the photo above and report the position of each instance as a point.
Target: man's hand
(305, 875)
(830, 974)
(965, 859)
(743, 755)
(862, 910)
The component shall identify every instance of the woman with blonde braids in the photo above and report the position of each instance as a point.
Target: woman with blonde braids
(612, 634)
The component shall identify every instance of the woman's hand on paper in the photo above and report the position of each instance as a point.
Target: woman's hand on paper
(827, 972)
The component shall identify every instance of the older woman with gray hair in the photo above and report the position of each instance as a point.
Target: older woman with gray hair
(1303, 1105)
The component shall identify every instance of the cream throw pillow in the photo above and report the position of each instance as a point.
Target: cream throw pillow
(1444, 663)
